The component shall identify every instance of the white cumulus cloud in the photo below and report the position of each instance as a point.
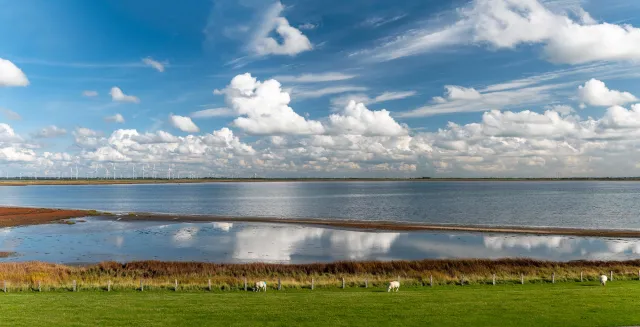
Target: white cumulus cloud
(264, 108)
(356, 119)
(292, 41)
(184, 124)
(119, 96)
(11, 75)
(596, 93)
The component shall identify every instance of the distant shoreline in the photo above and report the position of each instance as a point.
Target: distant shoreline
(27, 182)
(23, 216)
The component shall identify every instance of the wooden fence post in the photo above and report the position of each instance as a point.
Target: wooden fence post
(109, 286)
(611, 275)
(431, 281)
(4, 286)
(245, 284)
(494, 279)
(638, 274)
(342, 282)
(141, 286)
(521, 279)
(581, 279)
(279, 284)
(209, 284)
(39, 289)
(74, 285)
(312, 283)
(175, 285)
(366, 283)
(553, 278)
(462, 280)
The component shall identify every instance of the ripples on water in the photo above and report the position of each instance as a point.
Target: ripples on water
(607, 205)
(101, 239)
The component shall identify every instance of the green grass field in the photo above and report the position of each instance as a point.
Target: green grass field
(567, 304)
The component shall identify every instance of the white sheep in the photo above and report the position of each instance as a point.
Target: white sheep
(261, 285)
(603, 280)
(395, 285)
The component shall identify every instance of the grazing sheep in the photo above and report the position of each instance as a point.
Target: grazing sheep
(261, 285)
(395, 285)
(603, 280)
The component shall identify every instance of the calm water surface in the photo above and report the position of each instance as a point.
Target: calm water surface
(100, 239)
(560, 204)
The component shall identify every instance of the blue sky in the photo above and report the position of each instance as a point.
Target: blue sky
(427, 63)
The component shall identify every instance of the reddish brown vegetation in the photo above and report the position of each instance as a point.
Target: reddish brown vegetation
(10, 216)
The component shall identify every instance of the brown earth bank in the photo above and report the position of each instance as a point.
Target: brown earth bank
(198, 275)
(17, 216)
(389, 225)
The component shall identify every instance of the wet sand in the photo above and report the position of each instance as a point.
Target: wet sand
(388, 225)
(16, 216)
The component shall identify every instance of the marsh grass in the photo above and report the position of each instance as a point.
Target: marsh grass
(194, 276)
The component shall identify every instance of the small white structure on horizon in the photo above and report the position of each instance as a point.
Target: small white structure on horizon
(261, 285)
(394, 286)
(603, 280)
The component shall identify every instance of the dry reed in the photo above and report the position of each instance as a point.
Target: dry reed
(195, 275)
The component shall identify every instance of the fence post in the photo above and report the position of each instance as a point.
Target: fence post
(109, 286)
(4, 286)
(175, 285)
(312, 283)
(39, 289)
(279, 284)
(462, 280)
(431, 281)
(494, 279)
(521, 279)
(611, 275)
(553, 278)
(141, 286)
(209, 284)
(245, 284)
(342, 282)
(581, 279)
(74, 285)
(638, 274)
(366, 283)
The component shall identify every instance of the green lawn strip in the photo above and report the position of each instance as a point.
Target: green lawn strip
(587, 304)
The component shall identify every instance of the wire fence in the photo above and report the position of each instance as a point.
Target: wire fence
(351, 282)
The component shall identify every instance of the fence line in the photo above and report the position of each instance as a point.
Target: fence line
(242, 283)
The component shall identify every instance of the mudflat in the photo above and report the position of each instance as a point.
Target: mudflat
(16, 216)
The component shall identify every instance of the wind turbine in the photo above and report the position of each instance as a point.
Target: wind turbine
(113, 166)
(169, 172)
(133, 171)
(154, 171)
(143, 171)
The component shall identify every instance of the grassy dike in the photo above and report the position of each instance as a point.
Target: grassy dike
(561, 304)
